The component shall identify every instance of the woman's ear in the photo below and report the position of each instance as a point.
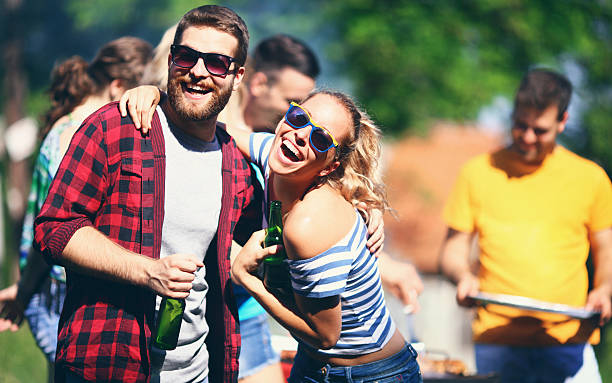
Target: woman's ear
(329, 169)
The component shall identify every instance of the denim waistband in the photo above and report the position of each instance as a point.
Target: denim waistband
(406, 355)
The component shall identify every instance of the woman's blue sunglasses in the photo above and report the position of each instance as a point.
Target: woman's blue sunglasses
(320, 138)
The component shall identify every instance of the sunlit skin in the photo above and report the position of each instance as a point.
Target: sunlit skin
(198, 96)
(534, 133)
(291, 153)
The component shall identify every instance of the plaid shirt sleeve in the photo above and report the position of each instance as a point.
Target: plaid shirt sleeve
(76, 193)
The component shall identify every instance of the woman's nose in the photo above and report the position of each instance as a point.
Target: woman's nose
(301, 135)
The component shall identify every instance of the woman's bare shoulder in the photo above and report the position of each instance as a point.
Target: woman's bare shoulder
(317, 223)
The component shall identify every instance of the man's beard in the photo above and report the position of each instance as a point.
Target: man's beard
(191, 112)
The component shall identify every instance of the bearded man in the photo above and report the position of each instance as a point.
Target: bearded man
(132, 217)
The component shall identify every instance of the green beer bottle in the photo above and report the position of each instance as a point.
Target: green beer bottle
(169, 321)
(276, 271)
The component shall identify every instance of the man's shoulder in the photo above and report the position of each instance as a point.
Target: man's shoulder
(564, 154)
(108, 112)
(576, 164)
(109, 119)
(228, 145)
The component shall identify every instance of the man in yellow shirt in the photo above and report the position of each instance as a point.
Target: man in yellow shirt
(536, 209)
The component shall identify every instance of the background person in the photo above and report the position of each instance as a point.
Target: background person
(128, 219)
(537, 209)
(78, 88)
(281, 69)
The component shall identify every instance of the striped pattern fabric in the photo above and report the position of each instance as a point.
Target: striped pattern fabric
(347, 269)
(113, 178)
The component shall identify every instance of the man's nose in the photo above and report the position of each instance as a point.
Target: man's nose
(199, 69)
(529, 136)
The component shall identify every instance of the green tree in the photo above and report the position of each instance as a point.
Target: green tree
(413, 61)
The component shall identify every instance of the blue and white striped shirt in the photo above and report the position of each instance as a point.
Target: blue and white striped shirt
(347, 269)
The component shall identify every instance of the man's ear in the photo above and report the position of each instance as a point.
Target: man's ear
(238, 77)
(563, 122)
(330, 168)
(258, 85)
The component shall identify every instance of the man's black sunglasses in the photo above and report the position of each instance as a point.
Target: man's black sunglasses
(215, 63)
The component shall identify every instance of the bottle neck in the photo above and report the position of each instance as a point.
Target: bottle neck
(275, 217)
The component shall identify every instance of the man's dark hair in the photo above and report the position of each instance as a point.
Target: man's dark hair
(541, 88)
(220, 18)
(281, 51)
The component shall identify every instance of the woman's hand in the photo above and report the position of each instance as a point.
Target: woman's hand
(247, 261)
(376, 228)
(141, 103)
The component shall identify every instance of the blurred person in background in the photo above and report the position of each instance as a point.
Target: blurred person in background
(537, 209)
(78, 88)
(281, 70)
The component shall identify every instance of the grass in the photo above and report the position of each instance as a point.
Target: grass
(21, 361)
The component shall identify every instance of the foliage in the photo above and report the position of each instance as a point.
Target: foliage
(98, 13)
(412, 61)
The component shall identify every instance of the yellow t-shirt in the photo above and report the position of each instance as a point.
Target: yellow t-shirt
(533, 238)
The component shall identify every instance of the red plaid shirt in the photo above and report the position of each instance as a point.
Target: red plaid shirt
(113, 178)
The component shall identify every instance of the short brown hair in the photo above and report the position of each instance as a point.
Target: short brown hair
(542, 88)
(277, 52)
(220, 18)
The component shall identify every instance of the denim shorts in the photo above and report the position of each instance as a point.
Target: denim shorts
(43, 313)
(256, 351)
(401, 367)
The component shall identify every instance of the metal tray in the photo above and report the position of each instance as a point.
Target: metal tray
(533, 304)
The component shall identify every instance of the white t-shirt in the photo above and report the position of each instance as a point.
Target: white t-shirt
(192, 205)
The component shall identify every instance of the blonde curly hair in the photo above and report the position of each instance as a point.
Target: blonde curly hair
(358, 177)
